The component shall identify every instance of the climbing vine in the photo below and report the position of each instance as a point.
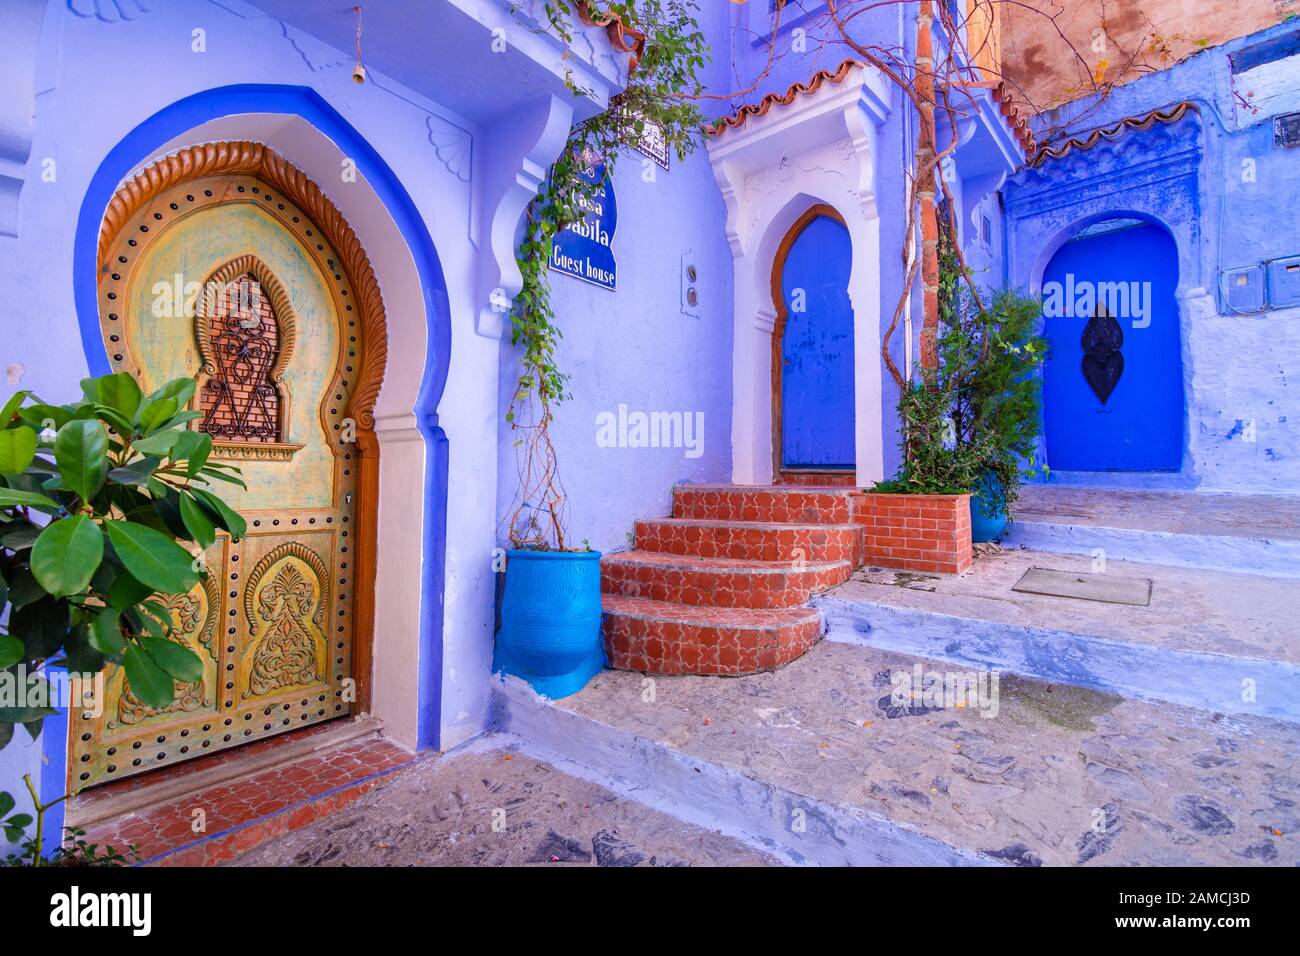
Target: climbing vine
(668, 51)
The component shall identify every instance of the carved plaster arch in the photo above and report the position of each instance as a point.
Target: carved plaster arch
(814, 148)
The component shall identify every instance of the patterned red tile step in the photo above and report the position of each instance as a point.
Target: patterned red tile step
(758, 503)
(718, 582)
(750, 540)
(655, 637)
(243, 813)
(89, 803)
(837, 479)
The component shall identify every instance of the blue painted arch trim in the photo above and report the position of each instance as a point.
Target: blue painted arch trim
(197, 109)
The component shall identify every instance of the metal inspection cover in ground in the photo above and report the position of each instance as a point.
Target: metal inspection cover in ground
(1106, 588)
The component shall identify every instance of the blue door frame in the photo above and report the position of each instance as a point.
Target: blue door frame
(1113, 381)
(812, 349)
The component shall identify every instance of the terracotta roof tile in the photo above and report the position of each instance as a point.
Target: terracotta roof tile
(622, 38)
(762, 107)
(1014, 120)
(1169, 115)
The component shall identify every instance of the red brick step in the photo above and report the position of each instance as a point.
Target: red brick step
(716, 588)
(748, 540)
(719, 582)
(657, 637)
(763, 503)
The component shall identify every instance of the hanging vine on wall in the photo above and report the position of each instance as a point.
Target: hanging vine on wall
(668, 50)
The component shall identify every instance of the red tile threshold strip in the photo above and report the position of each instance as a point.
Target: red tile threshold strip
(218, 822)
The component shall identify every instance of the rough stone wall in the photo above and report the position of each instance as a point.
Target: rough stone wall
(1055, 51)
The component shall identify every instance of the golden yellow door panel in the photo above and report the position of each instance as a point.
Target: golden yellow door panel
(224, 263)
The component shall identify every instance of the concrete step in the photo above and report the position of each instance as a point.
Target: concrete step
(817, 763)
(1251, 534)
(658, 637)
(781, 504)
(1209, 639)
(718, 582)
(750, 541)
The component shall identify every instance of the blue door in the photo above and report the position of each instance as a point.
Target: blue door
(817, 350)
(1113, 381)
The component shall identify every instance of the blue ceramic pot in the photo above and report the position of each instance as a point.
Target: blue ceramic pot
(988, 514)
(550, 620)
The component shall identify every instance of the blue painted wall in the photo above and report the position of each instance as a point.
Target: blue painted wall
(635, 349)
(1218, 184)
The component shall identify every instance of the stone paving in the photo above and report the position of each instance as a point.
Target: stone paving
(1060, 776)
(498, 808)
(1275, 517)
(1191, 609)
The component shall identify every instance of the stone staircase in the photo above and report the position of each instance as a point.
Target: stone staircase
(1159, 734)
(1235, 533)
(1216, 635)
(720, 586)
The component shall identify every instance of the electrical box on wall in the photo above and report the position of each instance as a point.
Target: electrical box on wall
(690, 285)
(1284, 282)
(1242, 290)
(1286, 131)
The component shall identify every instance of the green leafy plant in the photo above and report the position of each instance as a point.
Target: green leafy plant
(975, 421)
(75, 850)
(658, 93)
(95, 498)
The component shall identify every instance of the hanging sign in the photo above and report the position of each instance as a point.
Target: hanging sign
(650, 141)
(584, 249)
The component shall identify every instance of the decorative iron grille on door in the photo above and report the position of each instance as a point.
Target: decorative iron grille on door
(246, 331)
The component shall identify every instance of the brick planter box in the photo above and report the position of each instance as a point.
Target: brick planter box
(915, 532)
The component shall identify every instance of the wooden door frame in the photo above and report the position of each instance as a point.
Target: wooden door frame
(778, 333)
(259, 161)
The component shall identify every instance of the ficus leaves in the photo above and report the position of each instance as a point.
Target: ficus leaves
(98, 500)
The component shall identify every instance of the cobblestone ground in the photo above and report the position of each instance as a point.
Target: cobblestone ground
(498, 809)
(1051, 774)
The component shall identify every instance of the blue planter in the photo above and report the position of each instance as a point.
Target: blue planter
(550, 620)
(988, 514)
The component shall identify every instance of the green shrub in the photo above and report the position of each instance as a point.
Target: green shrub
(94, 498)
(980, 414)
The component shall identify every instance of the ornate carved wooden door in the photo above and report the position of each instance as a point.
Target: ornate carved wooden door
(223, 262)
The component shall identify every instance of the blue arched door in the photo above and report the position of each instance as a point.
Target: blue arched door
(1113, 381)
(816, 350)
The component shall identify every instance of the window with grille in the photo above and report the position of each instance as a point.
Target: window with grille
(241, 401)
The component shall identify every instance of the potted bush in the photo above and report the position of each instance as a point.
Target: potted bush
(95, 498)
(996, 401)
(972, 426)
(550, 608)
